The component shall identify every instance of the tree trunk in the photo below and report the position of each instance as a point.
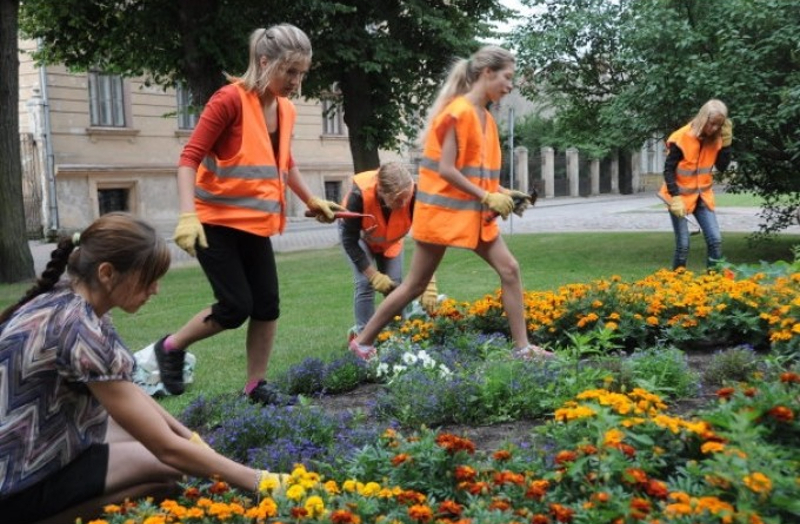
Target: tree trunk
(16, 261)
(357, 105)
(203, 74)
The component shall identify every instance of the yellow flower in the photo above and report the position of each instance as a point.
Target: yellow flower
(370, 489)
(613, 436)
(296, 492)
(315, 506)
(758, 483)
(712, 447)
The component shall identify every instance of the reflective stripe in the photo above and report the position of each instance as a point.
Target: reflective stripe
(381, 240)
(693, 190)
(451, 203)
(264, 172)
(267, 206)
(694, 172)
(468, 171)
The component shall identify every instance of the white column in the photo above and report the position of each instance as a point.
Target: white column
(572, 172)
(595, 174)
(548, 172)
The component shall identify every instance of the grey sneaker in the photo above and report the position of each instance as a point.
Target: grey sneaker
(170, 367)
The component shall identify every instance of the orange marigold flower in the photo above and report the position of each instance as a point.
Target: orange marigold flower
(639, 507)
(192, 493)
(561, 513)
(342, 516)
(758, 482)
(725, 393)
(636, 476)
(479, 488)
(218, 488)
(790, 378)
(420, 513)
(508, 477)
(537, 489)
(566, 456)
(540, 519)
(410, 496)
(587, 449)
(601, 496)
(502, 454)
(499, 504)
(450, 507)
(465, 473)
(400, 458)
(750, 392)
(657, 489)
(454, 444)
(712, 447)
(781, 414)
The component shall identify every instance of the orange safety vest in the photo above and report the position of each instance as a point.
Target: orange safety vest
(694, 173)
(444, 214)
(381, 236)
(247, 191)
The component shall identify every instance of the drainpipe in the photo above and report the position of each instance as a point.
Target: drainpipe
(49, 162)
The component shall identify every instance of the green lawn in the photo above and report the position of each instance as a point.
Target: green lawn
(316, 292)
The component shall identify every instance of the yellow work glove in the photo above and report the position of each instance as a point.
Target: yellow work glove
(381, 283)
(430, 297)
(677, 207)
(197, 439)
(727, 132)
(522, 201)
(189, 233)
(323, 209)
(499, 203)
(271, 483)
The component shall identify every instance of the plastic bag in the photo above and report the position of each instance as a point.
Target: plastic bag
(147, 376)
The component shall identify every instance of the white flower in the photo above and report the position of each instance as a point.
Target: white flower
(409, 358)
(382, 369)
(444, 371)
(397, 369)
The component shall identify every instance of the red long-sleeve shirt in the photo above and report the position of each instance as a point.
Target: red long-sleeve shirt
(218, 131)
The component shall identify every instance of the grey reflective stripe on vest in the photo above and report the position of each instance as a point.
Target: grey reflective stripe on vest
(241, 172)
(451, 203)
(266, 206)
(694, 172)
(380, 240)
(693, 190)
(469, 171)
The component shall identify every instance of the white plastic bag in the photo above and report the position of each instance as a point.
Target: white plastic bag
(147, 376)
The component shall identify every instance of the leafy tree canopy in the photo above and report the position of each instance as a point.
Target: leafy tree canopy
(386, 57)
(619, 72)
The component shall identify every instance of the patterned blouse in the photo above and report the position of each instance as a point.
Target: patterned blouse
(49, 350)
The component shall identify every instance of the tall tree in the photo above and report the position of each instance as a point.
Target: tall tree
(620, 72)
(383, 56)
(16, 262)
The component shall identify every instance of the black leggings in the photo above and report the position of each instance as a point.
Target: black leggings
(241, 269)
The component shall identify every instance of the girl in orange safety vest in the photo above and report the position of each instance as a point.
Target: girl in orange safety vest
(232, 180)
(459, 193)
(694, 151)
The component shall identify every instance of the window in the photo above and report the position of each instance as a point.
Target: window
(187, 112)
(333, 190)
(106, 100)
(332, 120)
(113, 199)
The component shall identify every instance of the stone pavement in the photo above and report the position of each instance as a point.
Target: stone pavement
(638, 212)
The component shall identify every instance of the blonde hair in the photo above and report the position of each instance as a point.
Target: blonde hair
(709, 110)
(464, 72)
(393, 179)
(280, 44)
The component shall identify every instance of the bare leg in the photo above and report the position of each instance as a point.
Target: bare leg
(424, 262)
(199, 327)
(260, 339)
(497, 254)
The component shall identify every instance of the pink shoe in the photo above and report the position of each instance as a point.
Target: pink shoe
(362, 352)
(532, 351)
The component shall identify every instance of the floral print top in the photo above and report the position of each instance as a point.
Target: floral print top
(49, 350)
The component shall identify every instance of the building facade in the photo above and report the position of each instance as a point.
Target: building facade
(94, 143)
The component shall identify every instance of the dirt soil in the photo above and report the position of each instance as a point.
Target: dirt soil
(491, 437)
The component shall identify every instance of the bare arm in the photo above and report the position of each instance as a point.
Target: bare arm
(298, 185)
(164, 436)
(186, 179)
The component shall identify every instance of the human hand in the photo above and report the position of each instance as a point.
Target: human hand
(323, 209)
(522, 201)
(499, 203)
(197, 439)
(430, 297)
(677, 207)
(272, 483)
(727, 132)
(189, 233)
(381, 283)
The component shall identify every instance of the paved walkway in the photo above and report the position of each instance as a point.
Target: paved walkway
(639, 212)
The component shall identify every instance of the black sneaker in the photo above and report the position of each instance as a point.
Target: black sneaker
(266, 394)
(170, 367)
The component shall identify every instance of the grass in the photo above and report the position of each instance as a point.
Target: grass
(316, 293)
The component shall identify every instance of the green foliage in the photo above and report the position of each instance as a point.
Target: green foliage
(731, 365)
(621, 72)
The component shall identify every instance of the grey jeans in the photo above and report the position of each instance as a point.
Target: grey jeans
(707, 220)
(364, 295)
